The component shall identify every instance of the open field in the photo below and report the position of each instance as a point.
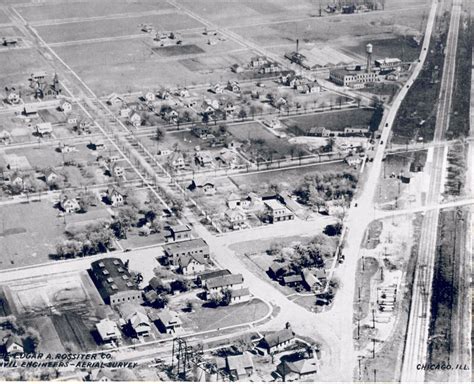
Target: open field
(334, 120)
(93, 29)
(60, 11)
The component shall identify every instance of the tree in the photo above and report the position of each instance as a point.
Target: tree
(333, 229)
(160, 134)
(226, 297)
(242, 114)
(275, 248)
(33, 338)
(85, 200)
(189, 306)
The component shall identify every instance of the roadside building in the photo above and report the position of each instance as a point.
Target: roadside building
(66, 106)
(204, 277)
(236, 217)
(203, 185)
(353, 160)
(204, 158)
(239, 367)
(319, 132)
(388, 63)
(277, 341)
(11, 345)
(69, 204)
(114, 99)
(188, 247)
(168, 322)
(277, 270)
(179, 232)
(311, 282)
(347, 78)
(278, 212)
(176, 160)
(292, 280)
(239, 296)
(30, 110)
(218, 284)
(114, 282)
(296, 370)
(108, 330)
(115, 196)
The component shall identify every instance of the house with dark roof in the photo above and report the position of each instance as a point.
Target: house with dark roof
(292, 280)
(188, 247)
(114, 282)
(204, 277)
(276, 341)
(277, 270)
(11, 345)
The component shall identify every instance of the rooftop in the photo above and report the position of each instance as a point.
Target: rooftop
(112, 276)
(185, 246)
(223, 281)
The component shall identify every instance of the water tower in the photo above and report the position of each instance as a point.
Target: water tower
(368, 50)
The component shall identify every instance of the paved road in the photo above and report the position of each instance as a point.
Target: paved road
(417, 337)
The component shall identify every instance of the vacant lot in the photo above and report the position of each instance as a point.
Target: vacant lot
(177, 50)
(73, 332)
(388, 47)
(336, 120)
(204, 319)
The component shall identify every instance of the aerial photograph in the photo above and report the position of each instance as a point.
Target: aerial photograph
(236, 190)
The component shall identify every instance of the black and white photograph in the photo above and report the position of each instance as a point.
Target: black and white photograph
(236, 190)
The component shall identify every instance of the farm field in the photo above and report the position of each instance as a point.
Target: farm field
(335, 120)
(58, 11)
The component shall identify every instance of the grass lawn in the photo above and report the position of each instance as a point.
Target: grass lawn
(33, 230)
(334, 120)
(393, 47)
(50, 341)
(204, 319)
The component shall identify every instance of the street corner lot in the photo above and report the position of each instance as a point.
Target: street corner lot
(41, 13)
(207, 319)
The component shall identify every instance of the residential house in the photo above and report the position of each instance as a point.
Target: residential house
(69, 204)
(273, 123)
(233, 201)
(99, 145)
(164, 94)
(277, 270)
(5, 136)
(233, 86)
(114, 99)
(229, 108)
(258, 61)
(125, 112)
(16, 180)
(203, 185)
(239, 296)
(217, 88)
(236, 217)
(176, 160)
(236, 68)
(11, 345)
(50, 177)
(44, 129)
(200, 131)
(168, 322)
(179, 232)
(115, 196)
(9, 41)
(277, 341)
(171, 115)
(269, 68)
(290, 202)
(292, 280)
(228, 158)
(13, 97)
(239, 367)
(183, 92)
(218, 284)
(149, 96)
(139, 323)
(311, 282)
(204, 158)
(135, 119)
(174, 251)
(108, 330)
(319, 132)
(296, 370)
(278, 212)
(114, 282)
(191, 264)
(30, 110)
